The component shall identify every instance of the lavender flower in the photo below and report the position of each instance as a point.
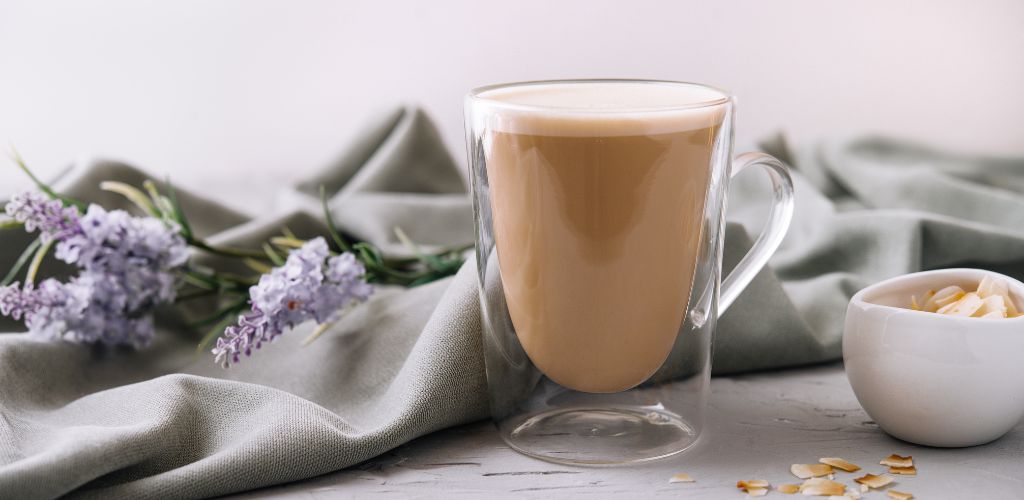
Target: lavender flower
(139, 251)
(87, 309)
(127, 265)
(50, 217)
(310, 285)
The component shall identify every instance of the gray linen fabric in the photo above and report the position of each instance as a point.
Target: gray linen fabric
(166, 422)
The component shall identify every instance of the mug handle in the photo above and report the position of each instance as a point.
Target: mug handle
(771, 235)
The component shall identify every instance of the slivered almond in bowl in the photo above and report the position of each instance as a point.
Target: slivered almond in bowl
(805, 471)
(840, 464)
(991, 300)
(681, 477)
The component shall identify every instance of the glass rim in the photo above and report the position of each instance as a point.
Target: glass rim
(476, 95)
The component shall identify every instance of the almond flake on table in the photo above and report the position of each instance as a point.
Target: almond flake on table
(899, 495)
(903, 471)
(805, 471)
(682, 477)
(757, 491)
(788, 489)
(820, 486)
(895, 460)
(840, 464)
(875, 481)
(753, 484)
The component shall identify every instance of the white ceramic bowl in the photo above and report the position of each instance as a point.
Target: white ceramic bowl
(929, 378)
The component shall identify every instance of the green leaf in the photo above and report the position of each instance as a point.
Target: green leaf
(368, 254)
(431, 261)
(43, 186)
(286, 242)
(273, 255)
(234, 308)
(6, 223)
(331, 228)
(194, 294)
(132, 194)
(320, 329)
(200, 281)
(179, 214)
(257, 266)
(162, 204)
(37, 260)
(22, 260)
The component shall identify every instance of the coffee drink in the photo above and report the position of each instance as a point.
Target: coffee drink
(598, 207)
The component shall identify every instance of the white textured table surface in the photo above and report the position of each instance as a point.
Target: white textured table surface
(758, 425)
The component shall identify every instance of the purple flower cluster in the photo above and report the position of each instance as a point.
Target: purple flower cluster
(311, 284)
(49, 216)
(126, 269)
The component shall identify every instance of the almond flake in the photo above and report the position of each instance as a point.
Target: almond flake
(682, 477)
(864, 488)
(840, 464)
(895, 460)
(992, 307)
(822, 487)
(943, 297)
(1011, 309)
(752, 483)
(969, 304)
(788, 489)
(903, 471)
(805, 471)
(874, 481)
(757, 491)
(990, 286)
(899, 495)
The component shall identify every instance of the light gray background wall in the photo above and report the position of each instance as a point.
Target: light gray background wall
(243, 94)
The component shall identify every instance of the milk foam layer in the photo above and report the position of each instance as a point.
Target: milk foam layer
(602, 108)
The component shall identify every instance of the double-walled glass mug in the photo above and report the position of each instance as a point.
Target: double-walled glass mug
(599, 208)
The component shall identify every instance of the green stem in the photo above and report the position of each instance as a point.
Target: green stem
(235, 308)
(6, 223)
(37, 260)
(22, 260)
(44, 187)
(227, 251)
(195, 294)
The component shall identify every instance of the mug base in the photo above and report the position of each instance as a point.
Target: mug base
(603, 436)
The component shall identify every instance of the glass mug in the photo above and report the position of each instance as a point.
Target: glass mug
(599, 209)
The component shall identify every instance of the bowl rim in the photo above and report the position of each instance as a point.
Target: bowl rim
(1016, 285)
